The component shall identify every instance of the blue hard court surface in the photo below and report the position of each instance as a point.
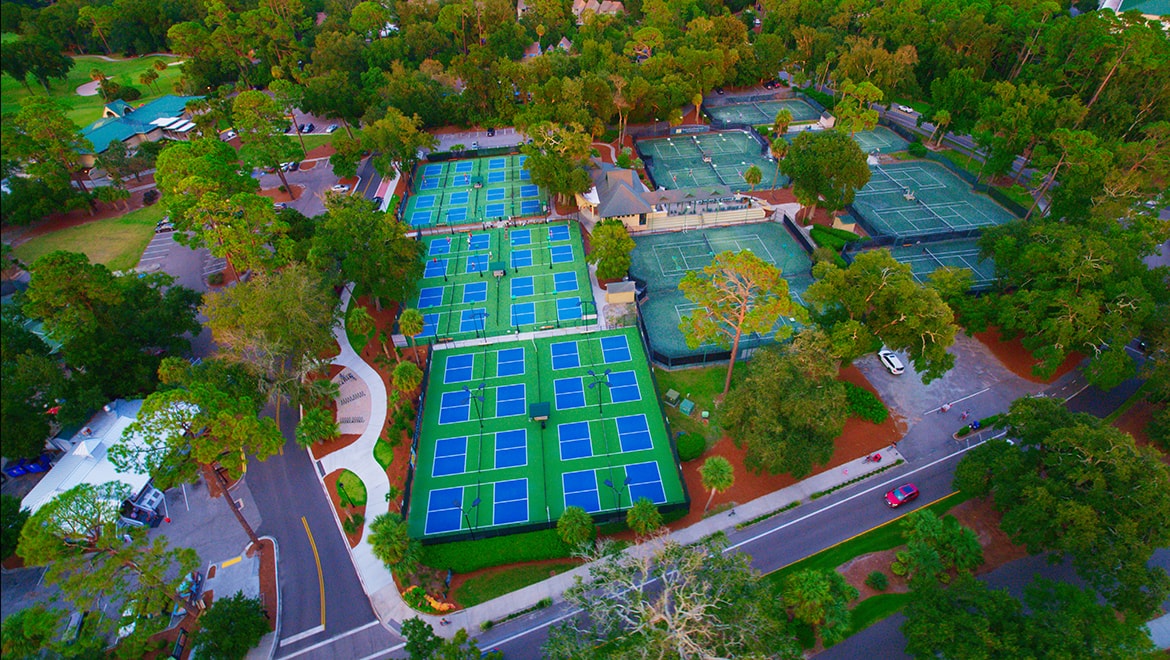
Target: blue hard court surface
(525, 175)
(497, 195)
(521, 258)
(494, 210)
(471, 320)
(424, 202)
(475, 292)
(634, 433)
(521, 237)
(456, 215)
(558, 233)
(433, 170)
(570, 393)
(510, 400)
(439, 247)
(615, 349)
(623, 386)
(464, 166)
(431, 296)
(477, 263)
(522, 159)
(497, 177)
(436, 268)
(511, 505)
(511, 448)
(430, 325)
(497, 163)
(460, 197)
(459, 368)
(450, 457)
(510, 362)
(478, 242)
(568, 309)
(453, 407)
(564, 355)
(444, 510)
(565, 281)
(429, 184)
(645, 481)
(581, 490)
(574, 440)
(531, 207)
(561, 253)
(522, 286)
(529, 191)
(420, 218)
(523, 313)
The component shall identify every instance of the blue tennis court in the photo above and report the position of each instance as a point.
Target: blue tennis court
(477, 263)
(459, 368)
(475, 292)
(439, 247)
(494, 210)
(444, 510)
(521, 237)
(498, 195)
(432, 296)
(623, 386)
(472, 320)
(510, 400)
(453, 408)
(633, 432)
(510, 362)
(522, 286)
(523, 313)
(569, 392)
(511, 505)
(429, 184)
(450, 457)
(561, 254)
(511, 448)
(531, 207)
(581, 490)
(574, 440)
(522, 159)
(497, 163)
(615, 348)
(461, 197)
(464, 166)
(430, 325)
(477, 242)
(420, 218)
(565, 281)
(525, 175)
(521, 258)
(529, 191)
(456, 215)
(645, 481)
(497, 177)
(564, 355)
(436, 268)
(424, 202)
(568, 309)
(558, 233)
(434, 169)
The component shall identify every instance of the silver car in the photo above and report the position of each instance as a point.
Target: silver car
(891, 362)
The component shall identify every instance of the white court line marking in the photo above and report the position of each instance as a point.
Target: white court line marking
(326, 642)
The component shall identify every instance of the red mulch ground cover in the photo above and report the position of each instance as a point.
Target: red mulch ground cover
(1134, 422)
(323, 151)
(1018, 359)
(277, 195)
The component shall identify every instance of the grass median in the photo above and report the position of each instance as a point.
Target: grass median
(116, 242)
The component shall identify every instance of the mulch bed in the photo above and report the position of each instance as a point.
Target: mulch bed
(1012, 354)
(268, 584)
(277, 195)
(344, 512)
(1134, 422)
(323, 151)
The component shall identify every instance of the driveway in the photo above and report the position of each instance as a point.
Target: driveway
(316, 181)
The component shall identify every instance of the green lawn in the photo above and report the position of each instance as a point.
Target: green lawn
(701, 386)
(84, 110)
(315, 140)
(356, 340)
(116, 242)
(383, 453)
(874, 609)
(354, 488)
(483, 588)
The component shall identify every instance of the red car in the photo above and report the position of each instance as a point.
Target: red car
(901, 495)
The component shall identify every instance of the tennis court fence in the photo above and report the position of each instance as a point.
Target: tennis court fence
(778, 94)
(418, 418)
(483, 152)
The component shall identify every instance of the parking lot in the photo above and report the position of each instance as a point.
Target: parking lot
(504, 137)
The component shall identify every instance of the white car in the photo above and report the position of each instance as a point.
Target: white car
(331, 128)
(227, 136)
(890, 361)
(907, 109)
(340, 188)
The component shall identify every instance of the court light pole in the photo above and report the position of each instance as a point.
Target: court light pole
(597, 379)
(466, 517)
(616, 490)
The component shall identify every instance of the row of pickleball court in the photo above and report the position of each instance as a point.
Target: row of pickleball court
(473, 190)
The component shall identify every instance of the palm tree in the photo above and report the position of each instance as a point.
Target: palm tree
(407, 376)
(942, 119)
(783, 119)
(643, 517)
(717, 475)
(697, 99)
(575, 526)
(390, 540)
(410, 323)
(753, 176)
(779, 149)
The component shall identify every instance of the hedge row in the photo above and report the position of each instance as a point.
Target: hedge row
(468, 556)
(865, 404)
(832, 237)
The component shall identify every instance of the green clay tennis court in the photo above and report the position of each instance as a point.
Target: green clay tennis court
(925, 258)
(880, 139)
(483, 464)
(762, 112)
(504, 280)
(473, 190)
(921, 198)
(661, 260)
(709, 159)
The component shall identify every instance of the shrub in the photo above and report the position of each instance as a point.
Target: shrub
(468, 556)
(150, 197)
(917, 149)
(691, 446)
(353, 523)
(877, 580)
(824, 99)
(901, 564)
(864, 404)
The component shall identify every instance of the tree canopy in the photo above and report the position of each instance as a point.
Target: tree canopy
(826, 167)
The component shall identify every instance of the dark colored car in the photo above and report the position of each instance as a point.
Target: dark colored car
(491, 132)
(770, 84)
(294, 166)
(307, 128)
(719, 91)
(377, 202)
(901, 495)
